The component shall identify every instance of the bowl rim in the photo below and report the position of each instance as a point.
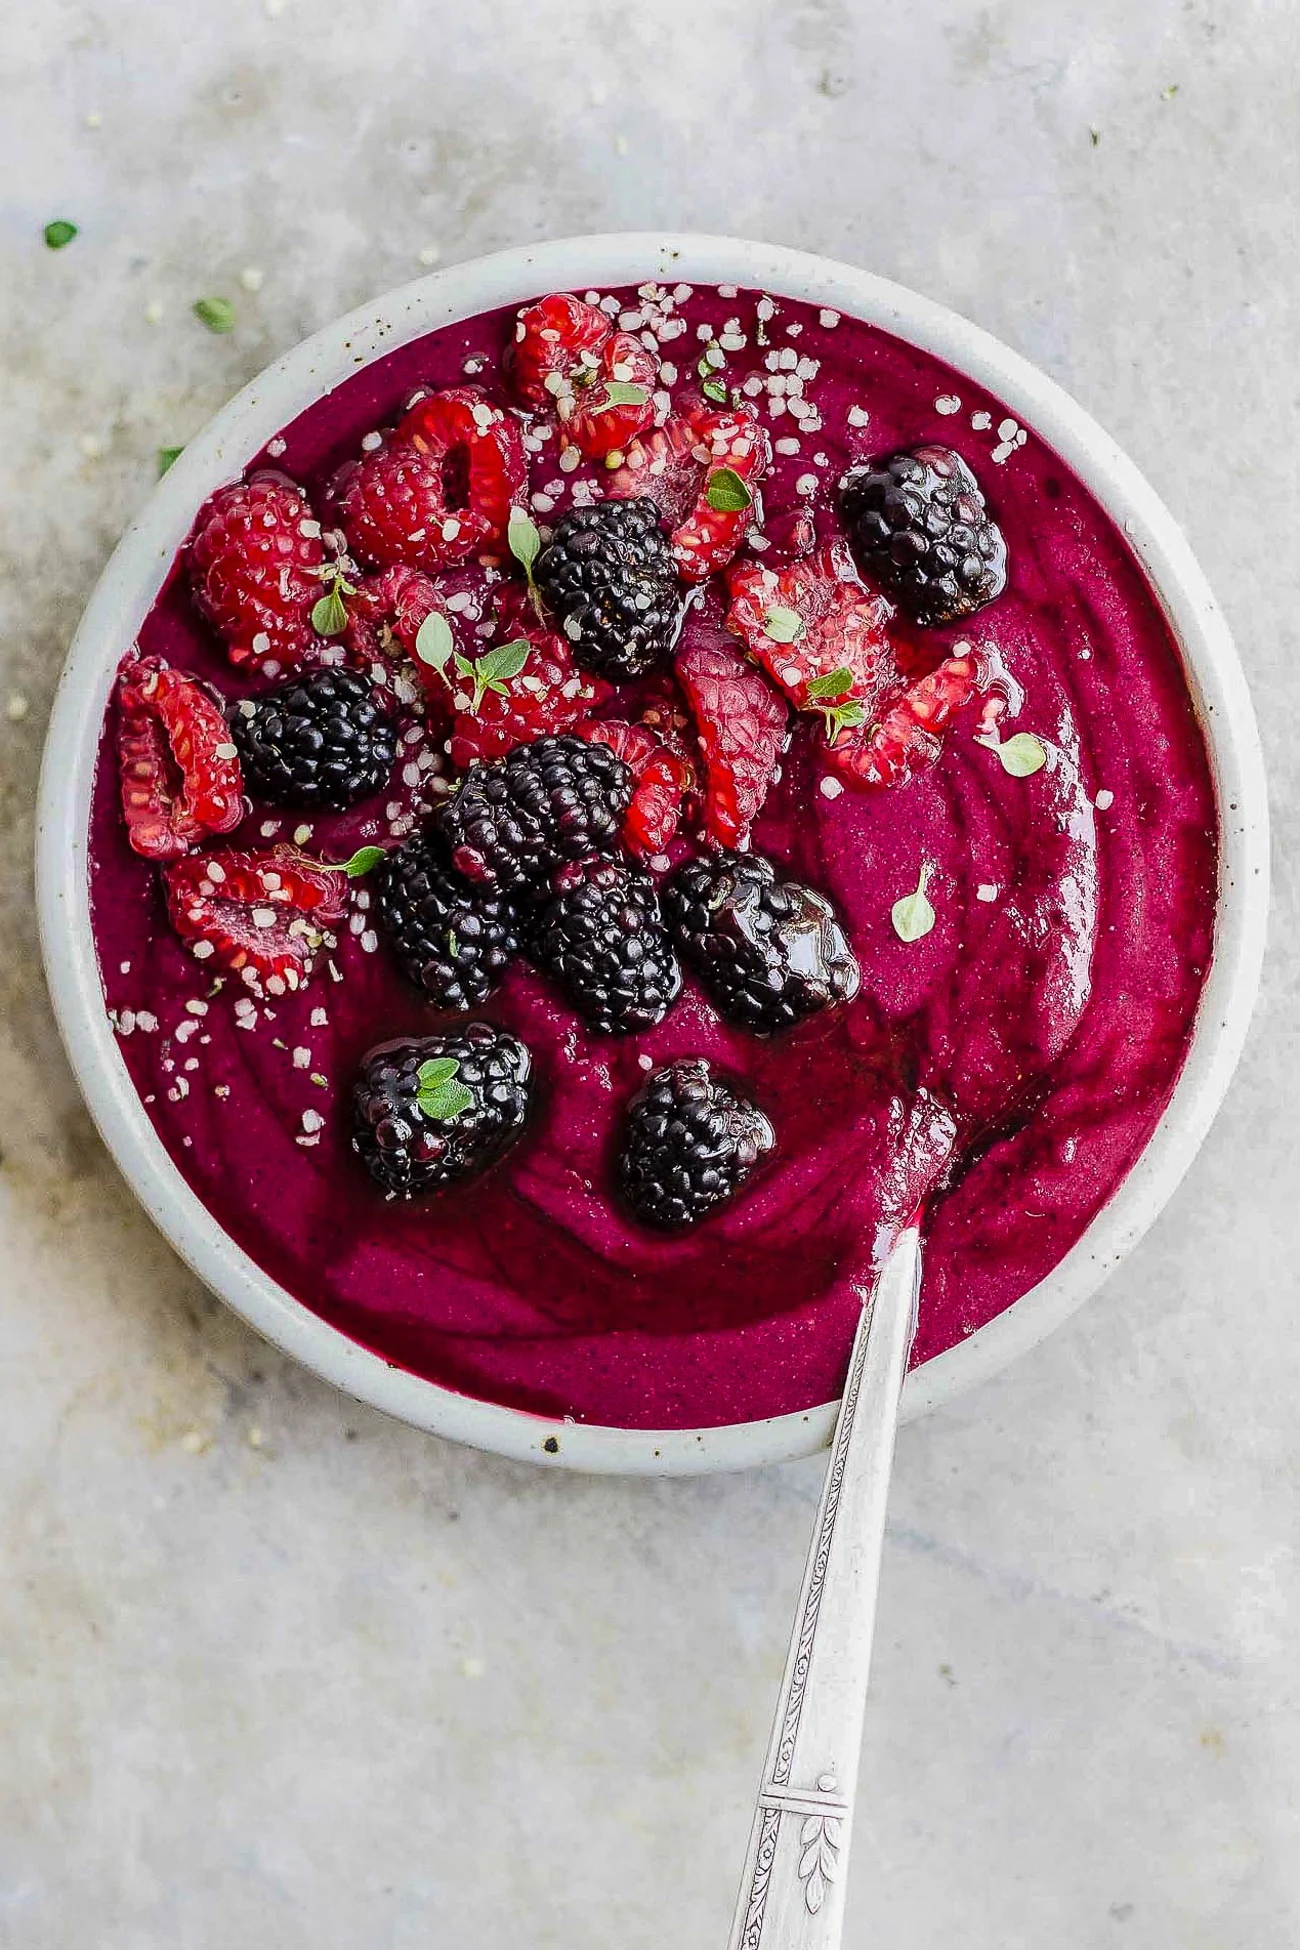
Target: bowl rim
(127, 588)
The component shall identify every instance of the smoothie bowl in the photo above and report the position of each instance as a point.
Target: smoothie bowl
(603, 783)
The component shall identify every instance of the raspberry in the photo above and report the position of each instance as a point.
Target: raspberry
(386, 610)
(317, 740)
(703, 452)
(602, 938)
(438, 1110)
(452, 940)
(256, 563)
(741, 722)
(180, 773)
(262, 915)
(663, 778)
(817, 633)
(906, 738)
(547, 695)
(613, 404)
(607, 575)
(691, 1142)
(547, 350)
(513, 822)
(918, 525)
(769, 952)
(440, 490)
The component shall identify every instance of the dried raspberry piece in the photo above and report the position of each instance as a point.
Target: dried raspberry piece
(546, 693)
(906, 738)
(440, 490)
(256, 561)
(180, 774)
(703, 468)
(551, 337)
(741, 721)
(606, 412)
(663, 779)
(817, 633)
(261, 915)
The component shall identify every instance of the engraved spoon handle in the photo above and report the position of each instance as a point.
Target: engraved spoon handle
(792, 1892)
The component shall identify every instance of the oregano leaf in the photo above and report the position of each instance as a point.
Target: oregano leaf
(913, 916)
(524, 538)
(726, 493)
(849, 716)
(834, 684)
(437, 1071)
(59, 233)
(506, 661)
(329, 616)
(621, 392)
(218, 314)
(445, 1102)
(168, 457)
(434, 642)
(363, 861)
(1022, 755)
(783, 625)
(714, 388)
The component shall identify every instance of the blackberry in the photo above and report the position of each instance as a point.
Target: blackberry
(918, 526)
(607, 574)
(602, 938)
(416, 1132)
(514, 821)
(317, 740)
(690, 1144)
(452, 940)
(768, 951)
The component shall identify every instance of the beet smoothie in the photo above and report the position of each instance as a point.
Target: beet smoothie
(1017, 1031)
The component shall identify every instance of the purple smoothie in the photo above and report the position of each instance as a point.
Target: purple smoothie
(1047, 1013)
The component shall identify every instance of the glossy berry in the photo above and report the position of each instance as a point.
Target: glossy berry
(741, 722)
(513, 822)
(920, 530)
(607, 577)
(816, 631)
(385, 612)
(414, 1134)
(452, 940)
(258, 916)
(555, 340)
(601, 937)
(663, 777)
(907, 736)
(441, 488)
(255, 561)
(319, 740)
(690, 1143)
(767, 951)
(549, 694)
(611, 405)
(179, 772)
(677, 465)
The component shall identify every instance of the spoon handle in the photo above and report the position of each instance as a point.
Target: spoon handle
(792, 1892)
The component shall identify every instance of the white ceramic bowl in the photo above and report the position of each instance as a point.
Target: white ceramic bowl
(126, 592)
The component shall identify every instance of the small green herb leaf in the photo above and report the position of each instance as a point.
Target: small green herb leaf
(836, 683)
(726, 492)
(453, 943)
(912, 916)
(1022, 755)
(59, 233)
(434, 643)
(714, 388)
(218, 314)
(506, 661)
(783, 625)
(848, 716)
(167, 457)
(329, 616)
(621, 392)
(524, 539)
(440, 1096)
(363, 861)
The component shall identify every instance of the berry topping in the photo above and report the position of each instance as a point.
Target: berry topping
(607, 576)
(262, 916)
(429, 1111)
(440, 490)
(703, 469)
(609, 407)
(385, 611)
(321, 739)
(690, 1144)
(663, 778)
(768, 951)
(907, 737)
(452, 940)
(918, 526)
(516, 693)
(180, 773)
(514, 821)
(817, 633)
(602, 938)
(556, 340)
(256, 564)
(741, 723)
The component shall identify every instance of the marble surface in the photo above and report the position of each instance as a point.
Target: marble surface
(273, 1669)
